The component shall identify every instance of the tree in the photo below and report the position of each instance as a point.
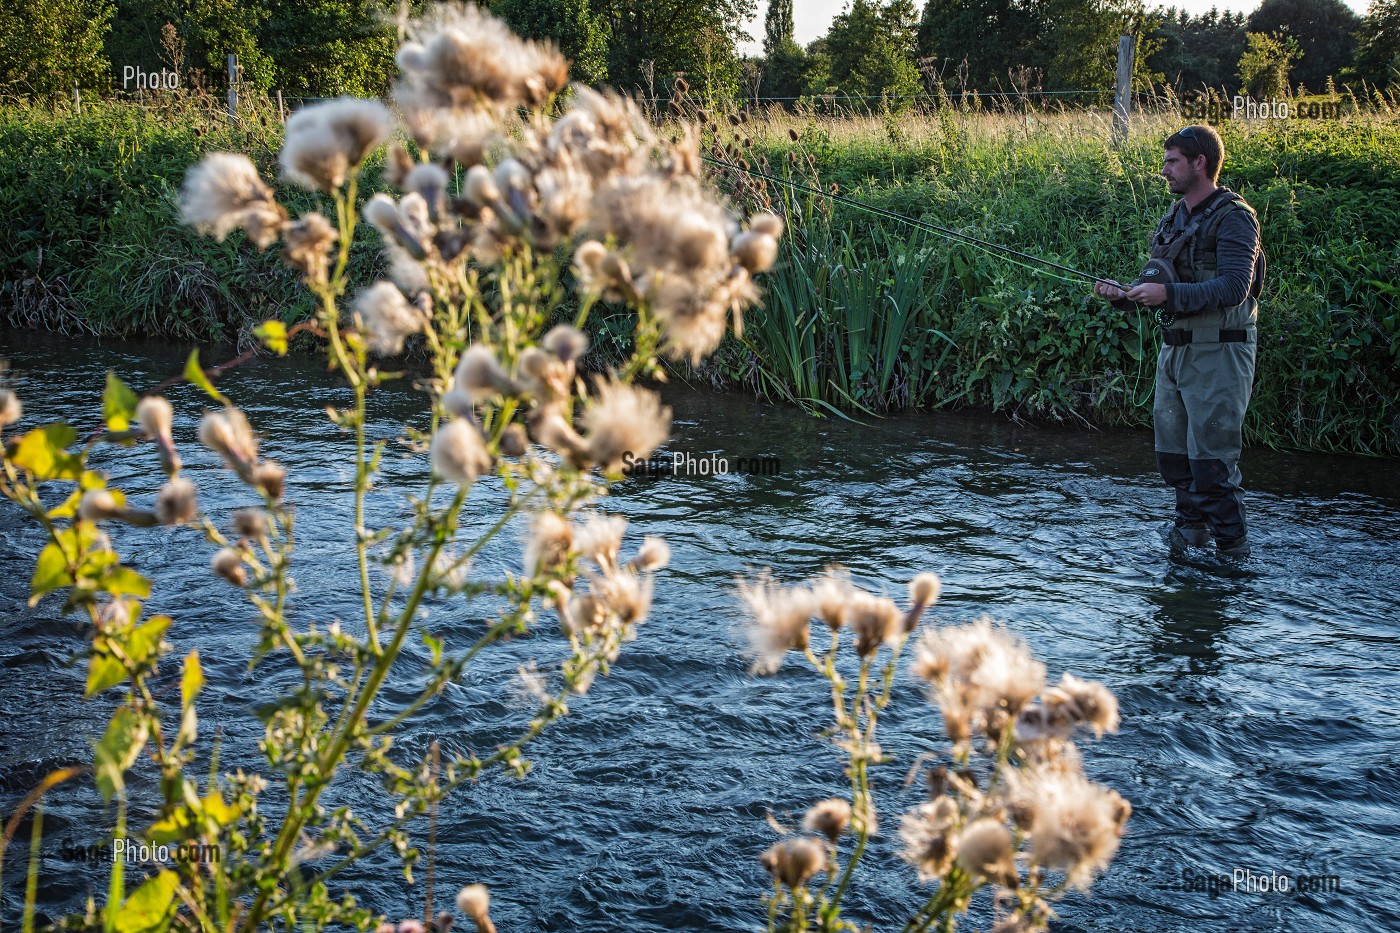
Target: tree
(321, 48)
(1325, 31)
(1266, 62)
(1198, 52)
(46, 46)
(1065, 44)
(778, 27)
(580, 33)
(1377, 57)
(869, 51)
(696, 37)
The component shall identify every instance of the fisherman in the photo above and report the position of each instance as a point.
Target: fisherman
(1204, 276)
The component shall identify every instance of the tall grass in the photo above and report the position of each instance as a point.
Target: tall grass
(863, 315)
(868, 314)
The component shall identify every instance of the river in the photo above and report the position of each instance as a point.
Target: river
(1260, 729)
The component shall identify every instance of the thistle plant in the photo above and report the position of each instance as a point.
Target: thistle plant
(1008, 806)
(501, 177)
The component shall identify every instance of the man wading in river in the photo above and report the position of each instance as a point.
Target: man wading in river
(1206, 272)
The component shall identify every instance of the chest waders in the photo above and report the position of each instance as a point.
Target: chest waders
(1205, 376)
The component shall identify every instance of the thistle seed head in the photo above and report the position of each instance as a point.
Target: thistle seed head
(229, 435)
(306, 246)
(228, 563)
(176, 502)
(155, 416)
(623, 419)
(224, 192)
(325, 142)
(458, 453)
(795, 860)
(781, 617)
(829, 817)
(388, 318)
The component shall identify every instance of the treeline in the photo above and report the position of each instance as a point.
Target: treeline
(891, 50)
(879, 50)
(322, 48)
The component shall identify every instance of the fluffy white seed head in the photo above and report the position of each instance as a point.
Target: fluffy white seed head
(780, 620)
(229, 435)
(224, 192)
(326, 141)
(388, 317)
(654, 554)
(176, 502)
(155, 416)
(11, 409)
(623, 419)
(458, 453)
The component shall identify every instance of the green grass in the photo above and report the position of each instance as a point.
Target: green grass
(863, 315)
(984, 331)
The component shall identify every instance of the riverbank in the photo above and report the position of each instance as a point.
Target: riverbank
(863, 315)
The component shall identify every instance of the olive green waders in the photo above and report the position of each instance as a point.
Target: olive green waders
(1205, 376)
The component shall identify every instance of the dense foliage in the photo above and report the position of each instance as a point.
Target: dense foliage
(95, 248)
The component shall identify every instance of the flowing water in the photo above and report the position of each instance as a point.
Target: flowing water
(1259, 705)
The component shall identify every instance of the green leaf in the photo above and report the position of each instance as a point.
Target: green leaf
(43, 453)
(104, 671)
(142, 644)
(273, 334)
(50, 573)
(195, 374)
(118, 404)
(122, 742)
(191, 679)
(123, 581)
(69, 507)
(434, 645)
(151, 907)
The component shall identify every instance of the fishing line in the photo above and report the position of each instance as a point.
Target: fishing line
(986, 245)
(995, 249)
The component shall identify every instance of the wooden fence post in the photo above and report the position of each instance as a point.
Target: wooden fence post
(77, 99)
(1122, 95)
(232, 86)
(281, 111)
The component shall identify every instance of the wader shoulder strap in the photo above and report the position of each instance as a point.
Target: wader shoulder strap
(1204, 259)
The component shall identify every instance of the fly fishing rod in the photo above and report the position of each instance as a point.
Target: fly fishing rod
(914, 222)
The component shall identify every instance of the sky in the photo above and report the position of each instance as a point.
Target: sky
(812, 18)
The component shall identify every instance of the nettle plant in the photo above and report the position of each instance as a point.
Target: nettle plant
(1008, 809)
(512, 178)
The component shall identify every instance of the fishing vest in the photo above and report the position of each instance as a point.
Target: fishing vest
(1184, 250)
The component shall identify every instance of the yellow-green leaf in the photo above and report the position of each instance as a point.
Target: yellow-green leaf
(173, 827)
(69, 507)
(50, 573)
(191, 679)
(103, 671)
(43, 452)
(151, 907)
(121, 743)
(218, 811)
(118, 404)
(273, 334)
(195, 374)
(141, 645)
(123, 581)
